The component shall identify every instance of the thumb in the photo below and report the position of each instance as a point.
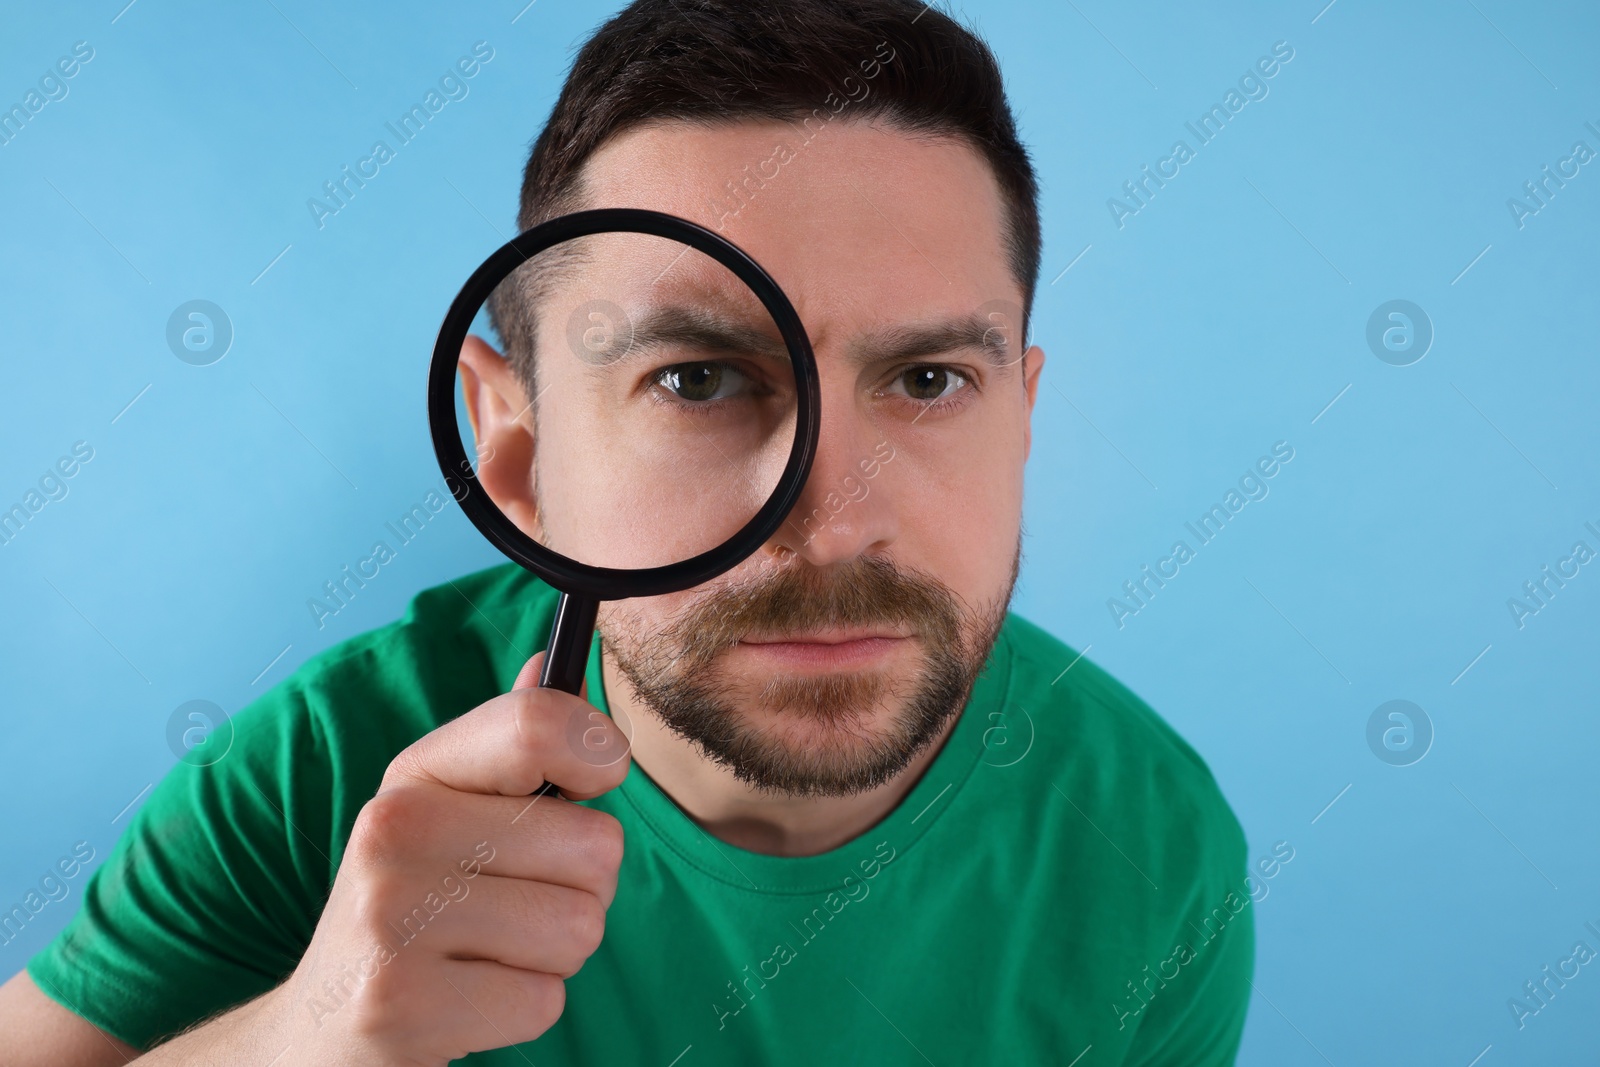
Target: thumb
(528, 677)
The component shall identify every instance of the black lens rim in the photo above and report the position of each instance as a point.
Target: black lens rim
(569, 575)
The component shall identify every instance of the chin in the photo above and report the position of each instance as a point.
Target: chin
(825, 735)
(827, 712)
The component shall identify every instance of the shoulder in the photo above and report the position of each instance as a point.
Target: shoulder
(466, 628)
(313, 748)
(1050, 673)
(323, 737)
(457, 644)
(1114, 755)
(255, 816)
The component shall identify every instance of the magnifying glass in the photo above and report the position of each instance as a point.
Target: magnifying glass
(658, 421)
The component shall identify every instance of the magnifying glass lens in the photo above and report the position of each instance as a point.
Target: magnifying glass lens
(642, 405)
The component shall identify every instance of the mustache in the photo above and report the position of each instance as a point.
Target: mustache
(861, 591)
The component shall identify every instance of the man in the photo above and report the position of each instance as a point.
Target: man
(862, 815)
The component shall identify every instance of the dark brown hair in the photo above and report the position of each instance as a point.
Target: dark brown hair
(725, 61)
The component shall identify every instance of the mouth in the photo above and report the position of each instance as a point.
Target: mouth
(830, 649)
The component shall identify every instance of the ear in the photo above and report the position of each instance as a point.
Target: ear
(502, 426)
(1032, 364)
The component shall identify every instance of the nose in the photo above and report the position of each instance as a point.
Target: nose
(846, 508)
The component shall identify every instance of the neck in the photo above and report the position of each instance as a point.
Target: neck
(734, 812)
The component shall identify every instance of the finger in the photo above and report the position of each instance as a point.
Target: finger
(528, 925)
(514, 743)
(528, 677)
(500, 1005)
(440, 839)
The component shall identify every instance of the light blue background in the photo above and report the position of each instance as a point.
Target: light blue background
(1223, 317)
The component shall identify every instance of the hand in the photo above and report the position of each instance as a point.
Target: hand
(462, 902)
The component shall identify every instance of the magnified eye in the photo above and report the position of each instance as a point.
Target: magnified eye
(701, 382)
(930, 382)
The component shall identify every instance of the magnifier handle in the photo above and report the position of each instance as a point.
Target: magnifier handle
(571, 633)
(567, 655)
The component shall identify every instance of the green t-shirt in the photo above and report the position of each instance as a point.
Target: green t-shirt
(1065, 874)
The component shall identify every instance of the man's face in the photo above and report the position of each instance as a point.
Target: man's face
(824, 663)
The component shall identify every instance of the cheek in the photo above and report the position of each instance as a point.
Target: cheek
(626, 624)
(604, 503)
(642, 617)
(959, 513)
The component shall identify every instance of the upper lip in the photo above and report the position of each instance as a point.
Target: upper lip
(829, 636)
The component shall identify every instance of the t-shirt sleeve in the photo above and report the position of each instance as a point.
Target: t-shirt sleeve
(1197, 1020)
(215, 888)
(212, 893)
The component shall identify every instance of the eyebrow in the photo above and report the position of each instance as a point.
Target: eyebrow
(897, 343)
(672, 324)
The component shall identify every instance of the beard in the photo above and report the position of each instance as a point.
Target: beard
(825, 743)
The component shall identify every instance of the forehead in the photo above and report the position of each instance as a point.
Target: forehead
(861, 225)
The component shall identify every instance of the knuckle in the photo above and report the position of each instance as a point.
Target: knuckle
(618, 769)
(609, 753)
(386, 826)
(530, 724)
(406, 765)
(604, 843)
(546, 996)
(384, 994)
(381, 1007)
(377, 904)
(587, 924)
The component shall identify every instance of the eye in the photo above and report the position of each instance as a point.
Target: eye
(929, 383)
(702, 382)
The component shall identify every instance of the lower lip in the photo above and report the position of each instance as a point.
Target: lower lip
(814, 654)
